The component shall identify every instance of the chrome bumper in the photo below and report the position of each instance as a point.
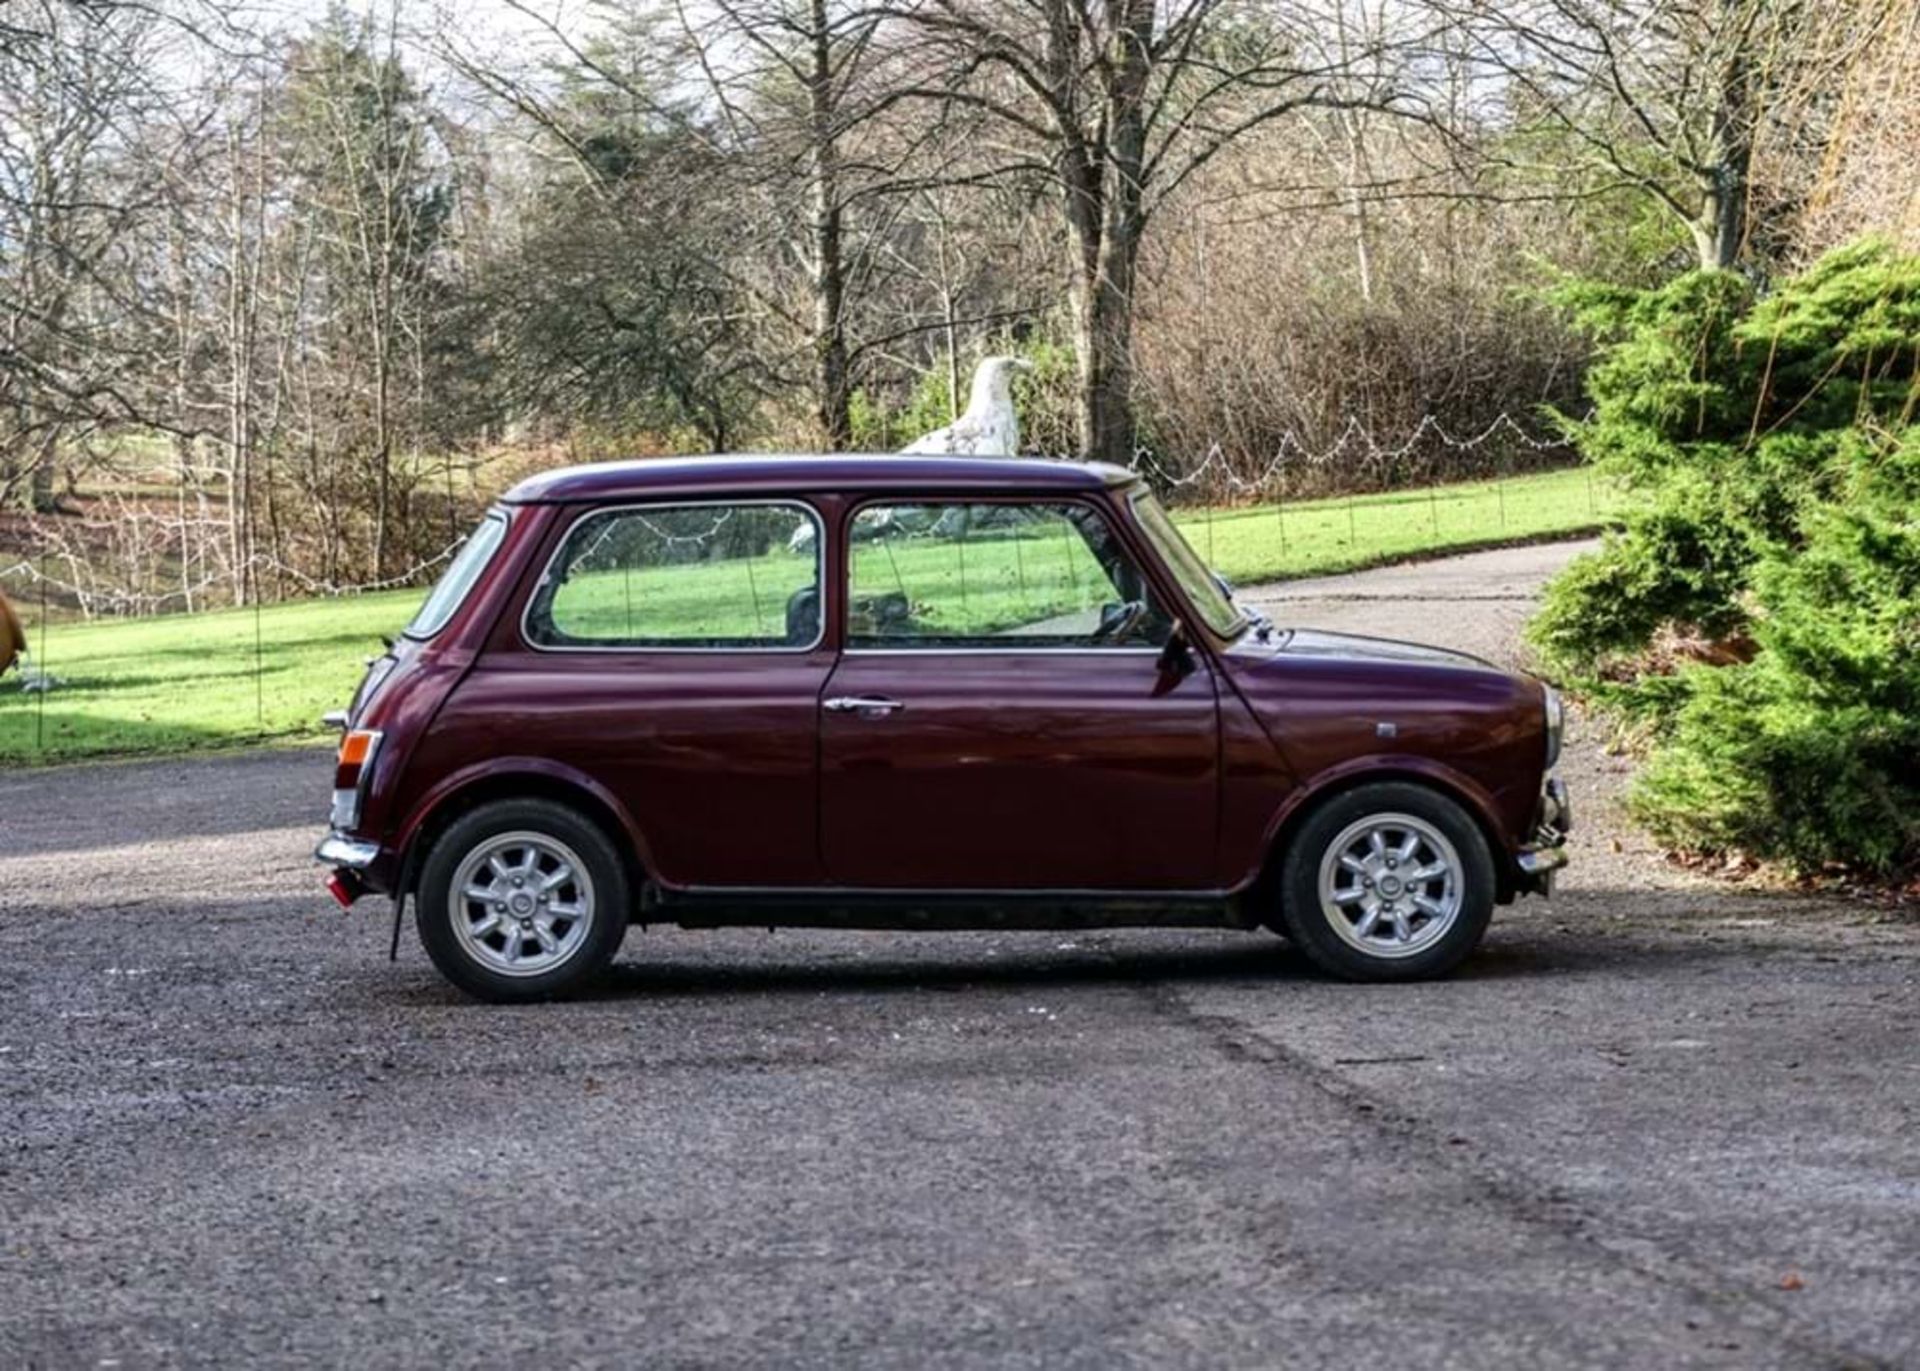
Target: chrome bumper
(339, 851)
(1546, 852)
(1556, 806)
(1540, 861)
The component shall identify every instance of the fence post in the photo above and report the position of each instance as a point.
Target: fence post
(40, 705)
(259, 666)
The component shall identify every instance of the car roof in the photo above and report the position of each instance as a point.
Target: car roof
(779, 473)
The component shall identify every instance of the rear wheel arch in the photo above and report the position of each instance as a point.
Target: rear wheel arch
(449, 808)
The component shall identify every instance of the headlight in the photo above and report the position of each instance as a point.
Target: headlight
(1556, 724)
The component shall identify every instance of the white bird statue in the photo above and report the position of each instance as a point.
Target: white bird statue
(989, 428)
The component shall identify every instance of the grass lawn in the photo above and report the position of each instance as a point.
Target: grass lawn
(1253, 543)
(187, 682)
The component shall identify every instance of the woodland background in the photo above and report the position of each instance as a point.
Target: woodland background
(285, 299)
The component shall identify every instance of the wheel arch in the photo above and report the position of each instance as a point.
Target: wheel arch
(1462, 791)
(520, 779)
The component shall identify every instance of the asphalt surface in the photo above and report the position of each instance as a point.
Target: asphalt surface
(1657, 1121)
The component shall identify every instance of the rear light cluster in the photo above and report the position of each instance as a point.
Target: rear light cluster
(352, 769)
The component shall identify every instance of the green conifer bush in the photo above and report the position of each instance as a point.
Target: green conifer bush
(1759, 612)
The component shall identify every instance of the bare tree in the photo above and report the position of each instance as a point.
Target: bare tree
(785, 99)
(360, 147)
(77, 104)
(1115, 104)
(1668, 98)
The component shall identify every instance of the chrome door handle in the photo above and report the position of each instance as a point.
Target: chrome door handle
(866, 706)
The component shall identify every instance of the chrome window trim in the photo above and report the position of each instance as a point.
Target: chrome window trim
(641, 506)
(1003, 651)
(885, 499)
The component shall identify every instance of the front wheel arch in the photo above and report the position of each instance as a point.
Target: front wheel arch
(1266, 883)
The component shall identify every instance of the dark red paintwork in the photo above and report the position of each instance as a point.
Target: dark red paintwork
(1068, 771)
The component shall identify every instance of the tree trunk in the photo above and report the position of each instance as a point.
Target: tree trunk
(1105, 344)
(1720, 232)
(832, 397)
(1110, 257)
(831, 389)
(40, 496)
(832, 393)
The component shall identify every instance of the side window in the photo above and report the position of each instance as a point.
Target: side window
(687, 576)
(994, 575)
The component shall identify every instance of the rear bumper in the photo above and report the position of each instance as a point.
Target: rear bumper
(350, 854)
(1545, 852)
(358, 868)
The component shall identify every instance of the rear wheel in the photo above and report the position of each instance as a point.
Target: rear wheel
(521, 900)
(1387, 882)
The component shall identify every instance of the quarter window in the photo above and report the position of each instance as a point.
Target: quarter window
(994, 575)
(683, 576)
(458, 580)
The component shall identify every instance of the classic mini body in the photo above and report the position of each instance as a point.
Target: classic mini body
(984, 693)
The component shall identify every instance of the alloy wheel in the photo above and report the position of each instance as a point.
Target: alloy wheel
(521, 903)
(1390, 885)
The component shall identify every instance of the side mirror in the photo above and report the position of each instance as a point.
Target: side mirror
(1176, 660)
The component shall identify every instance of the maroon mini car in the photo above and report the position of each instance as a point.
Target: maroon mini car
(913, 692)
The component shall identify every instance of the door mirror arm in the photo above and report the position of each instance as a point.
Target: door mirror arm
(1176, 660)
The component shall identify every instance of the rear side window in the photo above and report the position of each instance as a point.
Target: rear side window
(744, 575)
(458, 579)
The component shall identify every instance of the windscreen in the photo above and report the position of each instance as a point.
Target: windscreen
(1203, 591)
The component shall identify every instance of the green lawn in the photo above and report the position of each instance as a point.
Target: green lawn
(187, 682)
(190, 681)
(1252, 543)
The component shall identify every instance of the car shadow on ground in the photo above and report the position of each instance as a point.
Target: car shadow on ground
(1249, 958)
(1532, 950)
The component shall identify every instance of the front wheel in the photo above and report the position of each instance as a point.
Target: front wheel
(521, 900)
(1387, 882)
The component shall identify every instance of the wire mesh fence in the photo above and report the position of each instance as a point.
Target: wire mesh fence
(114, 671)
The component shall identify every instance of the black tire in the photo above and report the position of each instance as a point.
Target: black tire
(1435, 945)
(550, 836)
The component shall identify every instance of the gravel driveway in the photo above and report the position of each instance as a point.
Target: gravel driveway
(1655, 1122)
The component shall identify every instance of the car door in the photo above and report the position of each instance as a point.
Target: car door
(998, 718)
(676, 653)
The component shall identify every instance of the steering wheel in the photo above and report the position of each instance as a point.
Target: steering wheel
(1118, 621)
(803, 615)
